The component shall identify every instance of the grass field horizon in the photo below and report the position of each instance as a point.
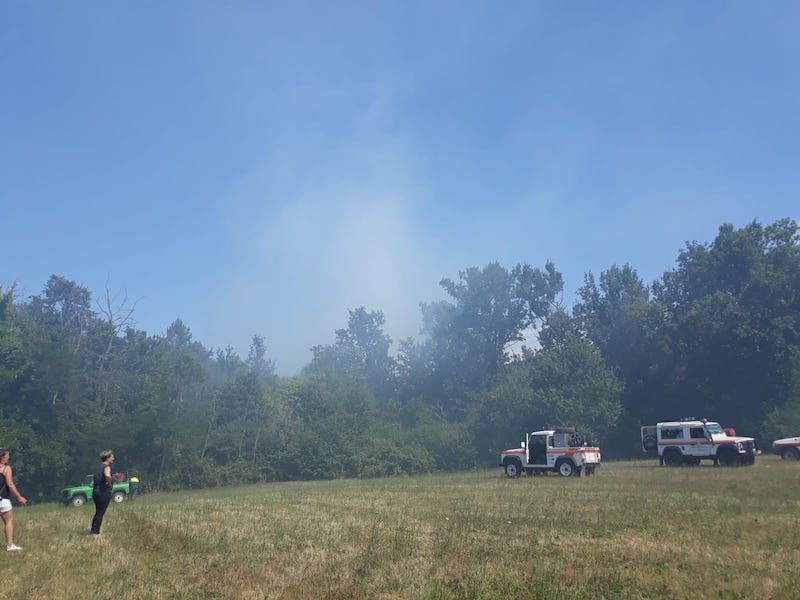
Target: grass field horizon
(632, 531)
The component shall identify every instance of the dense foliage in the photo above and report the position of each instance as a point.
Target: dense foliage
(717, 336)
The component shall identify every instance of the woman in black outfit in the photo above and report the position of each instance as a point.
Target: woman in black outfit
(101, 492)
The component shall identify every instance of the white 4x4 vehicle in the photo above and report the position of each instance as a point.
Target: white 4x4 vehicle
(689, 441)
(788, 448)
(561, 450)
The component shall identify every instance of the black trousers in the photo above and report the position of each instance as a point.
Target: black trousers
(101, 502)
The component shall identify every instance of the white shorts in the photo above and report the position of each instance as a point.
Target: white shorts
(5, 505)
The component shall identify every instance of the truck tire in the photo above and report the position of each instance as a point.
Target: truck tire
(78, 500)
(513, 468)
(650, 445)
(118, 496)
(790, 454)
(565, 468)
(673, 457)
(728, 457)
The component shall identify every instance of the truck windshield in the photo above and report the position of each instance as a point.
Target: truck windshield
(714, 428)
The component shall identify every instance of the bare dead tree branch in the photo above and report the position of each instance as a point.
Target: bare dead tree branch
(119, 315)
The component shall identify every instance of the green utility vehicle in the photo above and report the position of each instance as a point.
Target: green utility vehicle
(123, 487)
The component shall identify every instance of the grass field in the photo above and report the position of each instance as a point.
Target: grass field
(633, 530)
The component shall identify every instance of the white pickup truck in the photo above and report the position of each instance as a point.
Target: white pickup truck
(561, 450)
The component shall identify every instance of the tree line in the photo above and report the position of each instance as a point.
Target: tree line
(717, 336)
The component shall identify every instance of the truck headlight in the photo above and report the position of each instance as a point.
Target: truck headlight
(740, 446)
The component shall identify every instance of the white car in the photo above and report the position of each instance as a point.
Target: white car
(788, 448)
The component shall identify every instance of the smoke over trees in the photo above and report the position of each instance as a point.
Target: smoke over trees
(717, 336)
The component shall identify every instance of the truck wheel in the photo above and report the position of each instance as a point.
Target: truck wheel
(78, 500)
(650, 445)
(790, 454)
(513, 468)
(566, 468)
(728, 458)
(118, 496)
(673, 457)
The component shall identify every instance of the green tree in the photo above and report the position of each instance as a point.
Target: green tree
(12, 355)
(629, 329)
(733, 314)
(173, 380)
(468, 339)
(494, 308)
(331, 418)
(361, 352)
(241, 418)
(257, 361)
(68, 305)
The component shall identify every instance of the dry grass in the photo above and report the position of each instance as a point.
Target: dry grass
(634, 530)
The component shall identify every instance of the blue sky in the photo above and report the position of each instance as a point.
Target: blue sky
(261, 168)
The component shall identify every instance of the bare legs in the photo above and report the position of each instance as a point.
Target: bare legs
(8, 522)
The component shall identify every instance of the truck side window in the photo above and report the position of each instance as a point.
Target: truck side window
(671, 434)
(697, 433)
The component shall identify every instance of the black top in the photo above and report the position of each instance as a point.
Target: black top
(100, 479)
(3, 486)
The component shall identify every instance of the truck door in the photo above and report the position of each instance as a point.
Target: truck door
(537, 450)
(551, 456)
(698, 443)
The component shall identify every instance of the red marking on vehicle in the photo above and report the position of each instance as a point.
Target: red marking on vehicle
(694, 443)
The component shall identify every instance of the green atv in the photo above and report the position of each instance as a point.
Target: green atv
(122, 488)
